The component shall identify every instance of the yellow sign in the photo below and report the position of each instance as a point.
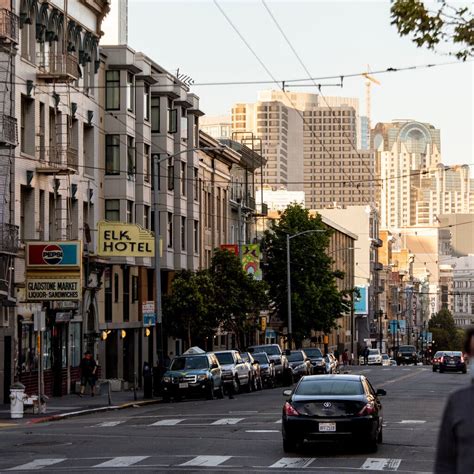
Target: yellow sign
(263, 323)
(117, 239)
(53, 286)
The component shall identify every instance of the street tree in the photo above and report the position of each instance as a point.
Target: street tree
(238, 297)
(445, 334)
(316, 300)
(445, 24)
(188, 310)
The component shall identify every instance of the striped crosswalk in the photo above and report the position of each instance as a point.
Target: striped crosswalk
(204, 461)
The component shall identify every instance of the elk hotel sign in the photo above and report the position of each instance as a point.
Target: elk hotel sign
(117, 239)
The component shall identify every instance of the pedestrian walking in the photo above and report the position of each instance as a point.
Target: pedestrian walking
(88, 369)
(456, 435)
(345, 357)
(366, 355)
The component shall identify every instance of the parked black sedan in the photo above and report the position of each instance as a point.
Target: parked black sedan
(452, 361)
(332, 408)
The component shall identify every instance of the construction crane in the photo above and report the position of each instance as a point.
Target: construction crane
(368, 85)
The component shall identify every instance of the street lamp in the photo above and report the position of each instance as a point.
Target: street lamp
(288, 276)
(156, 203)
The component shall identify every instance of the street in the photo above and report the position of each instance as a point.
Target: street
(234, 435)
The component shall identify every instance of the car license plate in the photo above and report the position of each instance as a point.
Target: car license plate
(183, 385)
(451, 362)
(325, 427)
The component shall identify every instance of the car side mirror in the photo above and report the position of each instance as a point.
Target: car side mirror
(287, 393)
(381, 392)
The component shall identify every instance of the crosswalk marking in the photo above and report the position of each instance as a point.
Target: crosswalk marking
(278, 421)
(37, 464)
(122, 461)
(227, 421)
(412, 422)
(292, 463)
(208, 461)
(109, 424)
(381, 464)
(169, 422)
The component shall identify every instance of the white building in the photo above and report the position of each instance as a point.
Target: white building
(115, 25)
(279, 199)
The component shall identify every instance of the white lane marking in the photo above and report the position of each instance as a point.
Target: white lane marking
(37, 464)
(121, 461)
(381, 464)
(169, 422)
(411, 422)
(292, 463)
(278, 421)
(227, 421)
(108, 424)
(209, 461)
(262, 431)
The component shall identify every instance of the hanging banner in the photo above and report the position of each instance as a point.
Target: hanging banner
(251, 260)
(118, 239)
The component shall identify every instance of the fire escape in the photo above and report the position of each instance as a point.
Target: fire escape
(8, 140)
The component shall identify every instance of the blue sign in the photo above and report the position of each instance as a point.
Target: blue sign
(149, 319)
(361, 301)
(402, 325)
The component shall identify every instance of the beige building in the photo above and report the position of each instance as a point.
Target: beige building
(310, 144)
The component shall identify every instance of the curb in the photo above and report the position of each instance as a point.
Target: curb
(63, 416)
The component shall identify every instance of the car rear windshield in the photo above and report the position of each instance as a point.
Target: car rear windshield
(329, 387)
(407, 349)
(453, 354)
(261, 358)
(295, 356)
(224, 358)
(374, 352)
(189, 363)
(313, 352)
(270, 350)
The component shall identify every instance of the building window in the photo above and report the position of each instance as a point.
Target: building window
(27, 130)
(146, 163)
(196, 184)
(170, 230)
(134, 288)
(155, 114)
(146, 217)
(112, 88)
(146, 102)
(196, 236)
(183, 233)
(183, 178)
(172, 118)
(131, 157)
(112, 210)
(129, 212)
(108, 295)
(170, 175)
(130, 92)
(112, 154)
(126, 293)
(116, 288)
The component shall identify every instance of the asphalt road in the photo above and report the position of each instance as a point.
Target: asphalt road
(234, 435)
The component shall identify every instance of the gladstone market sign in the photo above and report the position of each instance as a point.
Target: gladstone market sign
(53, 288)
(117, 239)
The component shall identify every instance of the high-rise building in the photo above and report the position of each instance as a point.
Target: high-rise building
(415, 187)
(310, 144)
(115, 26)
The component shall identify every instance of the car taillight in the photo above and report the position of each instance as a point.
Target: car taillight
(368, 409)
(290, 410)
(441, 359)
(462, 358)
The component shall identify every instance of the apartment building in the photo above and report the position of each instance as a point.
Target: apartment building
(310, 143)
(57, 176)
(463, 289)
(149, 115)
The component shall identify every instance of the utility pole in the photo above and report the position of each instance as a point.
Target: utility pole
(288, 285)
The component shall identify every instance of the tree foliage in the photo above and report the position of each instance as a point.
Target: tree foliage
(223, 296)
(445, 334)
(316, 301)
(447, 24)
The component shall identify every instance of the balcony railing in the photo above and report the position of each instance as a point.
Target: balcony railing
(8, 131)
(58, 157)
(8, 238)
(72, 159)
(58, 67)
(8, 26)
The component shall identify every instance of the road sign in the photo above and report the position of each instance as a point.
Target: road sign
(149, 315)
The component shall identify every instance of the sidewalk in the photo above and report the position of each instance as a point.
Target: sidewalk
(72, 405)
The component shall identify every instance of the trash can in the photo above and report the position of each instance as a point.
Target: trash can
(147, 381)
(17, 397)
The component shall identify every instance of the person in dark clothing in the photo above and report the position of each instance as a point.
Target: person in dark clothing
(455, 453)
(366, 355)
(88, 368)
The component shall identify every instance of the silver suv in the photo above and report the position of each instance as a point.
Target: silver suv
(279, 359)
(234, 370)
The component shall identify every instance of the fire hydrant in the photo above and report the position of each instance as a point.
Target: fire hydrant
(17, 399)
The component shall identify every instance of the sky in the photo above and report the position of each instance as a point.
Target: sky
(332, 38)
